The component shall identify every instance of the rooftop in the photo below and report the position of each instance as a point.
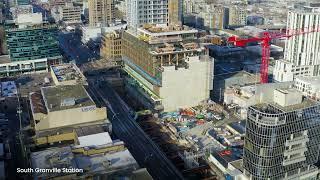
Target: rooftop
(100, 163)
(37, 103)
(8, 89)
(228, 156)
(158, 30)
(315, 80)
(152, 28)
(59, 98)
(5, 59)
(96, 139)
(67, 72)
(240, 126)
(273, 108)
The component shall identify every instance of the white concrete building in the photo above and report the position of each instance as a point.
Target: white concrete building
(174, 91)
(28, 19)
(8, 68)
(309, 86)
(56, 107)
(141, 12)
(94, 33)
(302, 52)
(246, 96)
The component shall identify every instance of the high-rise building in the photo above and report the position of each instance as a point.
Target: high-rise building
(101, 12)
(302, 52)
(282, 138)
(161, 60)
(237, 15)
(69, 14)
(175, 11)
(141, 12)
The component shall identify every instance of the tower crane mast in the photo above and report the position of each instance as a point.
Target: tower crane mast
(265, 41)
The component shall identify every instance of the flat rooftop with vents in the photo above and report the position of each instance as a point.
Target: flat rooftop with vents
(67, 74)
(65, 106)
(66, 97)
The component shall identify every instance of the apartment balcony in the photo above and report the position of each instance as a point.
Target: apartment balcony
(295, 151)
(294, 160)
(298, 140)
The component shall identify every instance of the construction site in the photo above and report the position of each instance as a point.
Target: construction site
(191, 165)
(192, 137)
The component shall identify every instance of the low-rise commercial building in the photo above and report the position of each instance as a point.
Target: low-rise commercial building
(57, 107)
(67, 74)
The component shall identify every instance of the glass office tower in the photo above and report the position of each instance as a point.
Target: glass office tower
(282, 142)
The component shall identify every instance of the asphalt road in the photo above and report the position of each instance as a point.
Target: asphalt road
(140, 145)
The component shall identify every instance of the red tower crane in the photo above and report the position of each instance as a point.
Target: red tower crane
(264, 40)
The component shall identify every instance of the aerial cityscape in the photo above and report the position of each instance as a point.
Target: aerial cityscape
(160, 89)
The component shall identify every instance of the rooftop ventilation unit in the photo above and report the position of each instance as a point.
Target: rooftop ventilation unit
(68, 102)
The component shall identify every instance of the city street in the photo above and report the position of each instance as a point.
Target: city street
(140, 145)
(74, 49)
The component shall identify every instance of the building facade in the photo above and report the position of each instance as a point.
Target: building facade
(32, 42)
(282, 138)
(111, 45)
(302, 52)
(207, 16)
(69, 14)
(237, 15)
(101, 12)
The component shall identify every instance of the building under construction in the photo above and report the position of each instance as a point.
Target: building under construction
(161, 60)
